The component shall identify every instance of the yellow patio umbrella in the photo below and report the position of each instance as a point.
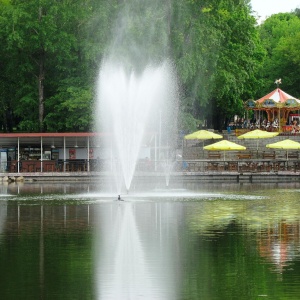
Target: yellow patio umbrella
(224, 145)
(286, 145)
(203, 135)
(257, 134)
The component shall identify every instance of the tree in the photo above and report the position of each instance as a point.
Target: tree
(218, 54)
(280, 37)
(57, 47)
(239, 59)
(43, 41)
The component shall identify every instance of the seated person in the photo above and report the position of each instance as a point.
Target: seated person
(295, 127)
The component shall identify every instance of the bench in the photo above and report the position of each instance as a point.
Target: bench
(270, 155)
(214, 155)
(244, 155)
(293, 155)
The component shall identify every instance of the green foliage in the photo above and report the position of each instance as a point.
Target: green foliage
(51, 52)
(280, 37)
(188, 123)
(218, 56)
(72, 109)
(238, 61)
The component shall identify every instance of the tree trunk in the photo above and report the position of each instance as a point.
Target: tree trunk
(41, 90)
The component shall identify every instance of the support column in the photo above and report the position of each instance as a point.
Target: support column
(64, 154)
(88, 154)
(18, 163)
(41, 154)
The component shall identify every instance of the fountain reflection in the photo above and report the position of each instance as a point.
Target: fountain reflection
(134, 255)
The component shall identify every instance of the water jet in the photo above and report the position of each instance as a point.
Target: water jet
(129, 102)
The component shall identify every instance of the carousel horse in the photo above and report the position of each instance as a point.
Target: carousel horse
(275, 124)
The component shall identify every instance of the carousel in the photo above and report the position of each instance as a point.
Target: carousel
(276, 111)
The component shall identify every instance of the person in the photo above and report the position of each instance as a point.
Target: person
(185, 165)
(295, 127)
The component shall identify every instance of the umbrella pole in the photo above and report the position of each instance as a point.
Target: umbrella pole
(257, 149)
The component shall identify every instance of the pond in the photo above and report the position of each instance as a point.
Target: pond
(188, 241)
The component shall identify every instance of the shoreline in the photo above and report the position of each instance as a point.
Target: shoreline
(208, 176)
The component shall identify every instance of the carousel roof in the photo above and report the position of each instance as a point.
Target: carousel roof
(277, 98)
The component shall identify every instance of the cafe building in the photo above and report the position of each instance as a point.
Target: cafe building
(61, 152)
(49, 152)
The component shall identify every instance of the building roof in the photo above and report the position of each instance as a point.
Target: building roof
(278, 96)
(79, 139)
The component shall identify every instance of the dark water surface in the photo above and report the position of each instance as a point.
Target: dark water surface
(190, 241)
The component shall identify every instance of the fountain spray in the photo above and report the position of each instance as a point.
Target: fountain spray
(136, 89)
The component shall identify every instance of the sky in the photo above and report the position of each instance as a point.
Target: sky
(266, 8)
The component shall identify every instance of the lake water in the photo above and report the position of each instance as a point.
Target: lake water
(188, 241)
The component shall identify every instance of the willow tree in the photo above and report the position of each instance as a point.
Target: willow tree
(238, 61)
(194, 47)
(218, 54)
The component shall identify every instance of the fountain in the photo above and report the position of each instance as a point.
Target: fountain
(128, 103)
(136, 106)
(136, 95)
(168, 167)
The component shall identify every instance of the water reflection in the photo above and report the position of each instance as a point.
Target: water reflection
(135, 258)
(271, 217)
(3, 214)
(206, 242)
(279, 244)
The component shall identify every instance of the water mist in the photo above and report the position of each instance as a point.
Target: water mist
(129, 104)
(136, 91)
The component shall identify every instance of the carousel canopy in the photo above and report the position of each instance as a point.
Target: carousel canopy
(276, 98)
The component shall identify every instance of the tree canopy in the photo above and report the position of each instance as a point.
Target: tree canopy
(51, 53)
(280, 35)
